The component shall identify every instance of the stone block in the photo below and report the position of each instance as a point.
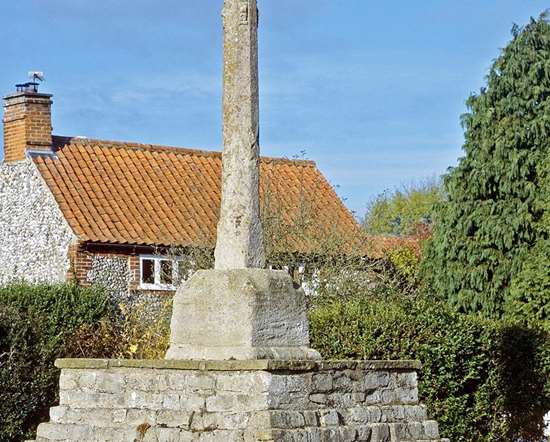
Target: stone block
(233, 382)
(408, 396)
(222, 435)
(68, 380)
(329, 418)
(145, 383)
(347, 434)
(240, 314)
(142, 400)
(376, 379)
(415, 413)
(202, 421)
(135, 418)
(234, 420)
(311, 418)
(177, 380)
(364, 433)
(53, 432)
(224, 402)
(171, 401)
(322, 382)
(380, 433)
(166, 435)
(82, 399)
(287, 419)
(119, 416)
(174, 419)
(57, 414)
(109, 383)
(192, 402)
(431, 429)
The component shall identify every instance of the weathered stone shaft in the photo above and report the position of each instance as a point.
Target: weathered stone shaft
(240, 238)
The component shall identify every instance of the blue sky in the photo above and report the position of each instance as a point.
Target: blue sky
(371, 90)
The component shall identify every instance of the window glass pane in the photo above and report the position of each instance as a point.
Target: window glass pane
(166, 272)
(147, 271)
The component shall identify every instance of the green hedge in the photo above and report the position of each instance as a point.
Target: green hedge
(35, 323)
(482, 380)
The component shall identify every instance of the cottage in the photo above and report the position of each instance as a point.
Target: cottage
(106, 212)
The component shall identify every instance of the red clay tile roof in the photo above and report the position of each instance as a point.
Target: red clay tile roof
(129, 193)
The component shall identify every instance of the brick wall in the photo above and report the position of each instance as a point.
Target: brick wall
(81, 263)
(27, 124)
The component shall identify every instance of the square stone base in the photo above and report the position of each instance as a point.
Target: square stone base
(240, 314)
(238, 401)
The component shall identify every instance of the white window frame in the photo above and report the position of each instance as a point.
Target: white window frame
(157, 264)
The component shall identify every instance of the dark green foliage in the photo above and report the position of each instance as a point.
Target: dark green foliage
(529, 298)
(483, 380)
(490, 221)
(62, 308)
(35, 323)
(26, 375)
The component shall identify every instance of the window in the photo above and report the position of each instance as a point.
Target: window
(158, 273)
(147, 271)
(166, 272)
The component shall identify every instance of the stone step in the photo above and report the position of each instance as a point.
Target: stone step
(426, 432)
(108, 417)
(414, 431)
(361, 433)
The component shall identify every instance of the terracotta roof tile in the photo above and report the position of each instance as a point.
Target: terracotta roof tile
(157, 195)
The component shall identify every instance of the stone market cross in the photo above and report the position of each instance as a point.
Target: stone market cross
(239, 310)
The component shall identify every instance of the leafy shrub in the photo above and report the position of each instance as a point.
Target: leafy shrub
(134, 334)
(62, 308)
(406, 262)
(26, 376)
(482, 380)
(35, 322)
(404, 211)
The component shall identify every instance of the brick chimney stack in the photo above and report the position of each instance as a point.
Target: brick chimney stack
(27, 124)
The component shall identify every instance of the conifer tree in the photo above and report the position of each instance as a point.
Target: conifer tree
(529, 298)
(490, 221)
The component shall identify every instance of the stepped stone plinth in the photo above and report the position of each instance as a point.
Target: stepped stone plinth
(238, 401)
